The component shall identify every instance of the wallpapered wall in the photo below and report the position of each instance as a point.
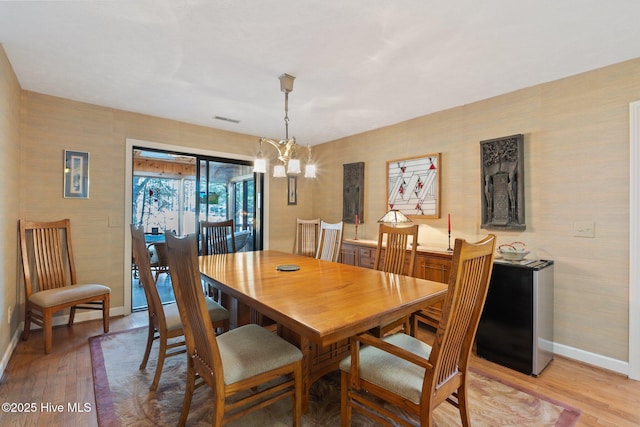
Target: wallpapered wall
(576, 139)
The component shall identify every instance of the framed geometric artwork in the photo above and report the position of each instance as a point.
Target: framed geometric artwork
(413, 186)
(76, 174)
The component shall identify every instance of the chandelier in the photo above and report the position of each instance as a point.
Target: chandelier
(286, 147)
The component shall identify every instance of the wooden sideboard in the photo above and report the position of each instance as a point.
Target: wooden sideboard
(432, 264)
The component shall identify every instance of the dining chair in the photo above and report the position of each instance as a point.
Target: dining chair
(50, 278)
(330, 242)
(404, 372)
(307, 233)
(391, 257)
(158, 253)
(430, 315)
(217, 237)
(164, 319)
(247, 368)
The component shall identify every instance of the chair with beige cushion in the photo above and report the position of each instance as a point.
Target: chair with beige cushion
(404, 372)
(50, 278)
(330, 242)
(164, 319)
(247, 368)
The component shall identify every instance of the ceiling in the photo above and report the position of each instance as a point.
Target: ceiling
(359, 64)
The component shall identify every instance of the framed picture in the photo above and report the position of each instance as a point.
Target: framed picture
(76, 174)
(292, 189)
(413, 186)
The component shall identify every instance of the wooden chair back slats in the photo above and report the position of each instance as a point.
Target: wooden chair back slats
(468, 285)
(307, 233)
(217, 237)
(330, 243)
(393, 243)
(199, 335)
(48, 251)
(397, 243)
(145, 276)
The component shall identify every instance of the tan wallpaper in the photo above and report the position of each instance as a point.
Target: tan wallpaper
(9, 198)
(576, 169)
(51, 125)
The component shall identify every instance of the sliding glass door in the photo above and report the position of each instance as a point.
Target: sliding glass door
(175, 191)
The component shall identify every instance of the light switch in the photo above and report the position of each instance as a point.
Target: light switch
(115, 221)
(584, 229)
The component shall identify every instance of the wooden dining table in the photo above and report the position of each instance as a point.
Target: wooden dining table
(317, 305)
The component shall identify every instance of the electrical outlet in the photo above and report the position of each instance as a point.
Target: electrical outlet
(9, 313)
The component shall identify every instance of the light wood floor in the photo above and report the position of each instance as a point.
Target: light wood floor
(64, 377)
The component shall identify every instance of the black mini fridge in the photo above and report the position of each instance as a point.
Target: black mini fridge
(516, 327)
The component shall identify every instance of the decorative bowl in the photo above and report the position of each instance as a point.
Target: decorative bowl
(515, 251)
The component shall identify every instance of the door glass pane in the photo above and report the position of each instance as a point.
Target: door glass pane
(227, 191)
(167, 196)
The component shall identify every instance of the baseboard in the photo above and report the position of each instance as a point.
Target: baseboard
(594, 359)
(9, 350)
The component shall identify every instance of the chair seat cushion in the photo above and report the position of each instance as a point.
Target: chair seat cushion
(67, 294)
(391, 372)
(172, 315)
(251, 350)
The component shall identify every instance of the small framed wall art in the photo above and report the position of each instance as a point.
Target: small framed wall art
(413, 186)
(76, 174)
(292, 189)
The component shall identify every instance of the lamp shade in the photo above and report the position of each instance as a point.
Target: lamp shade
(310, 171)
(259, 166)
(394, 216)
(294, 166)
(279, 171)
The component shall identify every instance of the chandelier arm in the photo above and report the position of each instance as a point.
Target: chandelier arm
(272, 142)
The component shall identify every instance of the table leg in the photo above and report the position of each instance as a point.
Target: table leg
(306, 381)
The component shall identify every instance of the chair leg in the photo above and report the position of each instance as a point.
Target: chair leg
(162, 354)
(105, 313)
(188, 393)
(297, 394)
(345, 411)
(27, 324)
(406, 325)
(414, 325)
(47, 329)
(150, 335)
(72, 315)
(463, 406)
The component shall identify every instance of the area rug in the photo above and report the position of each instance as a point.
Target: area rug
(123, 397)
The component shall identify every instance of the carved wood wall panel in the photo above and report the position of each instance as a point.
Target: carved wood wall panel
(503, 183)
(353, 192)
